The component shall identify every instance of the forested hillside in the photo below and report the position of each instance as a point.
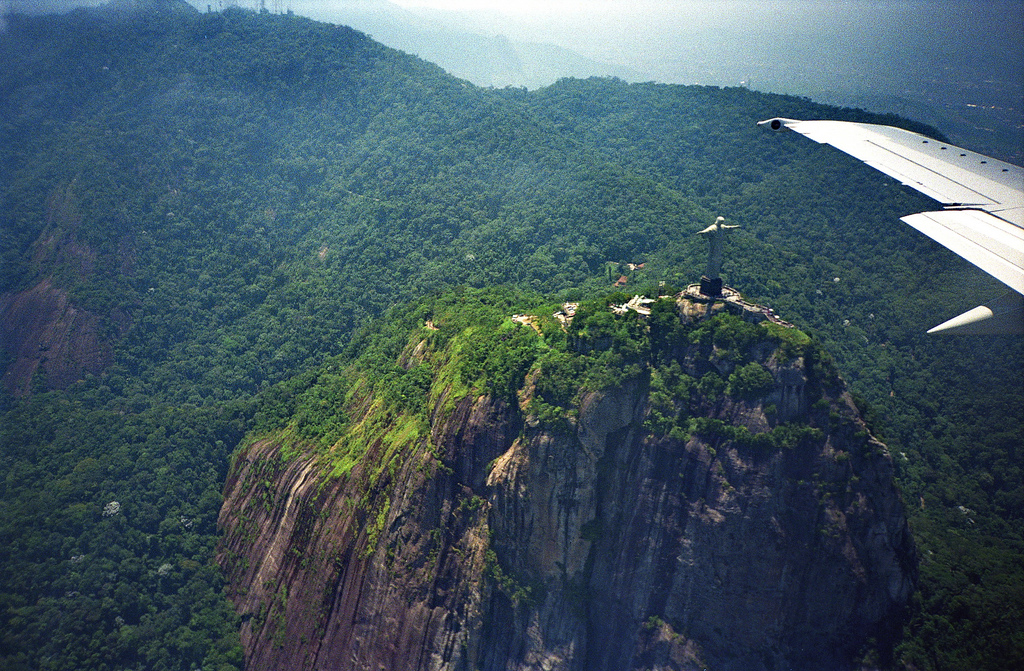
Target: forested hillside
(214, 203)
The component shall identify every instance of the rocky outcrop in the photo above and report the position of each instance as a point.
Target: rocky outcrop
(488, 539)
(47, 340)
(42, 331)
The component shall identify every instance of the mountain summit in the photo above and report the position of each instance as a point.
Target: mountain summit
(631, 492)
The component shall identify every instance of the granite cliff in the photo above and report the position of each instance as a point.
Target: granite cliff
(662, 492)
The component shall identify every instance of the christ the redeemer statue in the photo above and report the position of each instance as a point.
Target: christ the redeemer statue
(711, 283)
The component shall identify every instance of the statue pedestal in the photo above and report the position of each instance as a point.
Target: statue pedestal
(709, 287)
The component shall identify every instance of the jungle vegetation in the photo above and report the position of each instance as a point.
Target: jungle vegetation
(236, 195)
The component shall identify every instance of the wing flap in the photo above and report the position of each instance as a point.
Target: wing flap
(994, 245)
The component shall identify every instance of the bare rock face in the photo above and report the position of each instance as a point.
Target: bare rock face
(492, 540)
(43, 331)
(371, 570)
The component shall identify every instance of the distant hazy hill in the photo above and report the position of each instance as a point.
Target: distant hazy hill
(485, 60)
(959, 68)
(497, 61)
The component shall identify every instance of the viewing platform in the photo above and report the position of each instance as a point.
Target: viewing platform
(695, 305)
(692, 305)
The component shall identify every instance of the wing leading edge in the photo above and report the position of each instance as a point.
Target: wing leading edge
(984, 217)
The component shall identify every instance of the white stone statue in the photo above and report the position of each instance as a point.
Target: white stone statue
(716, 238)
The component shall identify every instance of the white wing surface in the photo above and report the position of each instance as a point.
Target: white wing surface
(984, 197)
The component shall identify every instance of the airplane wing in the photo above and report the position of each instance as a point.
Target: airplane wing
(983, 219)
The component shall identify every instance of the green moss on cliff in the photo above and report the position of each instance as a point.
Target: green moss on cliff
(416, 365)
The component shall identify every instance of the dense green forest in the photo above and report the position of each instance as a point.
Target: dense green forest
(234, 195)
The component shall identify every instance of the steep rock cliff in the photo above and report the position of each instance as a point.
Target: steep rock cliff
(669, 517)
